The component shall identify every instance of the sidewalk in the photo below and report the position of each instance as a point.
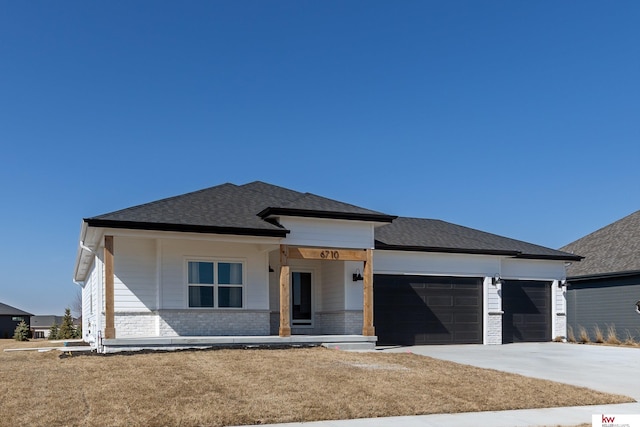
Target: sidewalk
(550, 417)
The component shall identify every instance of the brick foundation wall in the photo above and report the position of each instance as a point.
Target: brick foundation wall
(130, 325)
(346, 322)
(560, 327)
(213, 322)
(494, 328)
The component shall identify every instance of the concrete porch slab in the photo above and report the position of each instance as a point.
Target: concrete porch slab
(185, 342)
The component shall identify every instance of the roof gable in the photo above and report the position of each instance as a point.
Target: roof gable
(430, 235)
(614, 248)
(7, 310)
(232, 209)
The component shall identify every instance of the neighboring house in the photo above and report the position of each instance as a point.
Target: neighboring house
(604, 289)
(41, 325)
(258, 260)
(10, 317)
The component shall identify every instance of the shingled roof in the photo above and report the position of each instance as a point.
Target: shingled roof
(232, 209)
(430, 235)
(250, 210)
(7, 310)
(609, 250)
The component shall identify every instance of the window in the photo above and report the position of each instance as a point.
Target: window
(215, 284)
(17, 319)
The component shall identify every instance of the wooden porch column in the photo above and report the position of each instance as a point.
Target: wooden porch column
(367, 311)
(285, 298)
(109, 330)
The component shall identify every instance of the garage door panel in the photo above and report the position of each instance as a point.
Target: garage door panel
(467, 301)
(439, 301)
(527, 311)
(443, 310)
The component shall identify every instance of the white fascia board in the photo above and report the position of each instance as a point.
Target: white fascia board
(177, 235)
(82, 253)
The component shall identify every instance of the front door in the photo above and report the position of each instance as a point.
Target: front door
(301, 299)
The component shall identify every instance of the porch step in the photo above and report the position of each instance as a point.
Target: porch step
(350, 345)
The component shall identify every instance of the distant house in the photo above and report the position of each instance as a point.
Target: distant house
(10, 317)
(604, 289)
(41, 325)
(261, 263)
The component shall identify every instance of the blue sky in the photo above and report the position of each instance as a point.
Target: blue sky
(516, 118)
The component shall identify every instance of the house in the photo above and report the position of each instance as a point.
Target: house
(258, 263)
(10, 317)
(604, 289)
(41, 325)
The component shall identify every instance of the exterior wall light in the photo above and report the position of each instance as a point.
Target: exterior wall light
(357, 276)
(496, 280)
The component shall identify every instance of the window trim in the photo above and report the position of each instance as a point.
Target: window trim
(215, 261)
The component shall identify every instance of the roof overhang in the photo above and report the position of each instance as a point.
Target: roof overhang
(307, 213)
(466, 251)
(611, 275)
(186, 228)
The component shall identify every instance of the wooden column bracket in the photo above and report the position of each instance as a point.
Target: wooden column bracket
(109, 330)
(285, 298)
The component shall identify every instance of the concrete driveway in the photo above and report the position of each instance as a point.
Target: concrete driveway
(609, 369)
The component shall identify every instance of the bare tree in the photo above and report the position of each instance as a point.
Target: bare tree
(76, 304)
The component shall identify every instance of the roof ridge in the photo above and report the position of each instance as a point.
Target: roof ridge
(165, 199)
(599, 230)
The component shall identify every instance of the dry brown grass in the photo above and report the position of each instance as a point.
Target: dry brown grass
(612, 335)
(597, 332)
(583, 335)
(231, 387)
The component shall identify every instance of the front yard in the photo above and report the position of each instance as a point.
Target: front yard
(232, 387)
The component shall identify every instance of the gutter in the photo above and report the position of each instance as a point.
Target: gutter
(510, 253)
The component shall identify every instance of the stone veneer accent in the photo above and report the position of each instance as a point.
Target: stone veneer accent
(137, 324)
(342, 322)
(560, 326)
(213, 322)
(494, 328)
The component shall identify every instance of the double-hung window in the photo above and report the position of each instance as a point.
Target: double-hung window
(215, 284)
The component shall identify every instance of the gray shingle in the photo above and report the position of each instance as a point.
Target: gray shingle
(227, 208)
(7, 310)
(611, 249)
(440, 236)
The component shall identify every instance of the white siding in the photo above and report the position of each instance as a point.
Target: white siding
(135, 267)
(354, 296)
(532, 269)
(91, 302)
(398, 262)
(328, 233)
(332, 286)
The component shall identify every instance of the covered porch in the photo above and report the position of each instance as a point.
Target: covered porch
(321, 291)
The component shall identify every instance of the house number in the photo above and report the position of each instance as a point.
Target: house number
(329, 254)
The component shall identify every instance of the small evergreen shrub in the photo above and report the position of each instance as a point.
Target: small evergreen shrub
(22, 332)
(67, 330)
(54, 331)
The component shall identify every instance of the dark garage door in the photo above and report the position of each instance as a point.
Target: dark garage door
(411, 310)
(527, 311)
